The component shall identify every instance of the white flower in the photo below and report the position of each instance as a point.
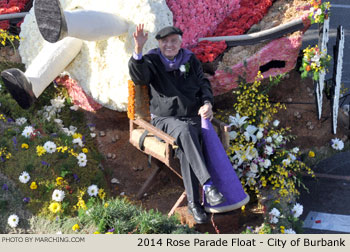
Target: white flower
(74, 107)
(58, 195)
(273, 219)
(292, 157)
(274, 215)
(318, 12)
(267, 163)
(259, 135)
(251, 153)
(92, 190)
(297, 210)
(82, 163)
(289, 231)
(232, 134)
(249, 133)
(268, 150)
(78, 141)
(337, 144)
(254, 168)
(275, 212)
(92, 135)
(276, 123)
(69, 131)
(274, 136)
(81, 156)
(295, 150)
(269, 139)
(13, 220)
(239, 155)
(279, 138)
(50, 147)
(58, 121)
(24, 177)
(286, 162)
(58, 102)
(237, 120)
(182, 68)
(20, 121)
(28, 131)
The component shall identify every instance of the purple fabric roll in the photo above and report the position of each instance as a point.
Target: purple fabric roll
(222, 173)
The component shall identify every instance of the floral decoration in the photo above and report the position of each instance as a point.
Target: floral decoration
(131, 100)
(314, 61)
(319, 11)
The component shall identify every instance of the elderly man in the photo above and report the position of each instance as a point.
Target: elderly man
(179, 96)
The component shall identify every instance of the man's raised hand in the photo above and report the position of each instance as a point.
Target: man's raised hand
(140, 38)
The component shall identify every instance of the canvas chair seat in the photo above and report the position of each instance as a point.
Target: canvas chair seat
(150, 143)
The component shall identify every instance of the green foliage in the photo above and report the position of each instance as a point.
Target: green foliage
(119, 216)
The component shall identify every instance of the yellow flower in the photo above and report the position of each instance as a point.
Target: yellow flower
(109, 233)
(33, 185)
(97, 232)
(75, 227)
(24, 146)
(62, 149)
(311, 154)
(59, 180)
(282, 229)
(101, 193)
(40, 150)
(77, 135)
(106, 205)
(85, 150)
(55, 207)
(243, 209)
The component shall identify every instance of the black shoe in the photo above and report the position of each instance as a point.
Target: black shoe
(50, 20)
(19, 87)
(213, 196)
(198, 213)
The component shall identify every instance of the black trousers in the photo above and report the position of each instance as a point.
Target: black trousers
(187, 132)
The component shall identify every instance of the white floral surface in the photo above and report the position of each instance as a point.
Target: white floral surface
(101, 67)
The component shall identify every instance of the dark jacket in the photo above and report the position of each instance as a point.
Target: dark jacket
(171, 93)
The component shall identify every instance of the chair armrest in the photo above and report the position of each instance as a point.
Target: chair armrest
(155, 131)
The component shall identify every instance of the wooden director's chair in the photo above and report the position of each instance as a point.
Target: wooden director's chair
(158, 145)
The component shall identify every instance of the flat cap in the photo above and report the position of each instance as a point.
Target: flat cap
(166, 31)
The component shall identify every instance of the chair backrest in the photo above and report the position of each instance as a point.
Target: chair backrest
(138, 102)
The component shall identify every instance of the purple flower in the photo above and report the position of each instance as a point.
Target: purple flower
(5, 187)
(45, 163)
(111, 230)
(14, 139)
(10, 120)
(26, 199)
(76, 178)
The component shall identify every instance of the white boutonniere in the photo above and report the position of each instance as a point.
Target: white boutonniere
(184, 69)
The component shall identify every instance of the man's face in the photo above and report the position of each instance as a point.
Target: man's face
(170, 45)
